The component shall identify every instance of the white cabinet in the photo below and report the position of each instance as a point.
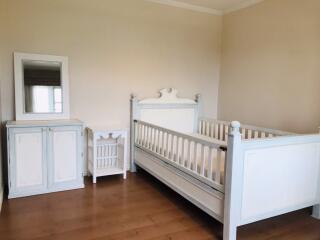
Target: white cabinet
(44, 157)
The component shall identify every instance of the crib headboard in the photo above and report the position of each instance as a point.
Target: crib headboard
(168, 111)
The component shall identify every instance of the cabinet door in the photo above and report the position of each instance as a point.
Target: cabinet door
(65, 158)
(27, 161)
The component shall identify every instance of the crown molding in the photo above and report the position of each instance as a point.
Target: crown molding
(242, 5)
(212, 11)
(188, 6)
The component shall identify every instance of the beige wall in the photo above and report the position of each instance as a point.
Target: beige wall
(271, 57)
(271, 65)
(115, 48)
(2, 45)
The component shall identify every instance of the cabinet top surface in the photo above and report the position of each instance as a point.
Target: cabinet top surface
(27, 123)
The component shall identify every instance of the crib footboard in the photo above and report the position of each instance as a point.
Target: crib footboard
(269, 177)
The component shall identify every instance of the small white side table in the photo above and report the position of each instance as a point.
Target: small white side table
(107, 151)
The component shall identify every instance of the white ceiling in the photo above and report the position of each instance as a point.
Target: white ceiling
(210, 6)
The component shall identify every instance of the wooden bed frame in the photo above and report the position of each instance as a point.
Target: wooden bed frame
(237, 174)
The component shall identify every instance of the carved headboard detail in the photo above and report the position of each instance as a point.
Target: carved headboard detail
(168, 96)
(168, 111)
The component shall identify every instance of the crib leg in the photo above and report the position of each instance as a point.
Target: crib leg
(229, 232)
(316, 211)
(133, 167)
(124, 174)
(94, 179)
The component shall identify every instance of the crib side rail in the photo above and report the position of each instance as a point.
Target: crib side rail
(202, 159)
(219, 130)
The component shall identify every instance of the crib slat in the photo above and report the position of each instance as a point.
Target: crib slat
(218, 166)
(216, 131)
(153, 145)
(158, 141)
(138, 133)
(202, 160)
(172, 147)
(155, 137)
(167, 145)
(182, 152)
(189, 155)
(141, 135)
(148, 137)
(221, 132)
(195, 163)
(163, 143)
(251, 134)
(226, 133)
(111, 156)
(144, 136)
(154, 140)
(177, 150)
(209, 167)
(104, 154)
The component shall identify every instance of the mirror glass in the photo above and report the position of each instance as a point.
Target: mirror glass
(42, 87)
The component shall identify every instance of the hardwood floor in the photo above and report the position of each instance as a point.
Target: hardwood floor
(138, 208)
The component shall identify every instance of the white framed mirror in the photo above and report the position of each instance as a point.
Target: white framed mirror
(41, 86)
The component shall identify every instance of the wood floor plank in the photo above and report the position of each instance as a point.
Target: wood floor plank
(137, 208)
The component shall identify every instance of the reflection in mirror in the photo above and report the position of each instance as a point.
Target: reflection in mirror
(42, 87)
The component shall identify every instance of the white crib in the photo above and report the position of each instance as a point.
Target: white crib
(237, 174)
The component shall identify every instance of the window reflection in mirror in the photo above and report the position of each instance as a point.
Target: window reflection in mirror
(42, 87)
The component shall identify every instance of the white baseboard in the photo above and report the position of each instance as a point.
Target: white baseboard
(1, 197)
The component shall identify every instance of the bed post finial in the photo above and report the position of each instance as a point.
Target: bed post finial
(133, 96)
(235, 127)
(198, 96)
